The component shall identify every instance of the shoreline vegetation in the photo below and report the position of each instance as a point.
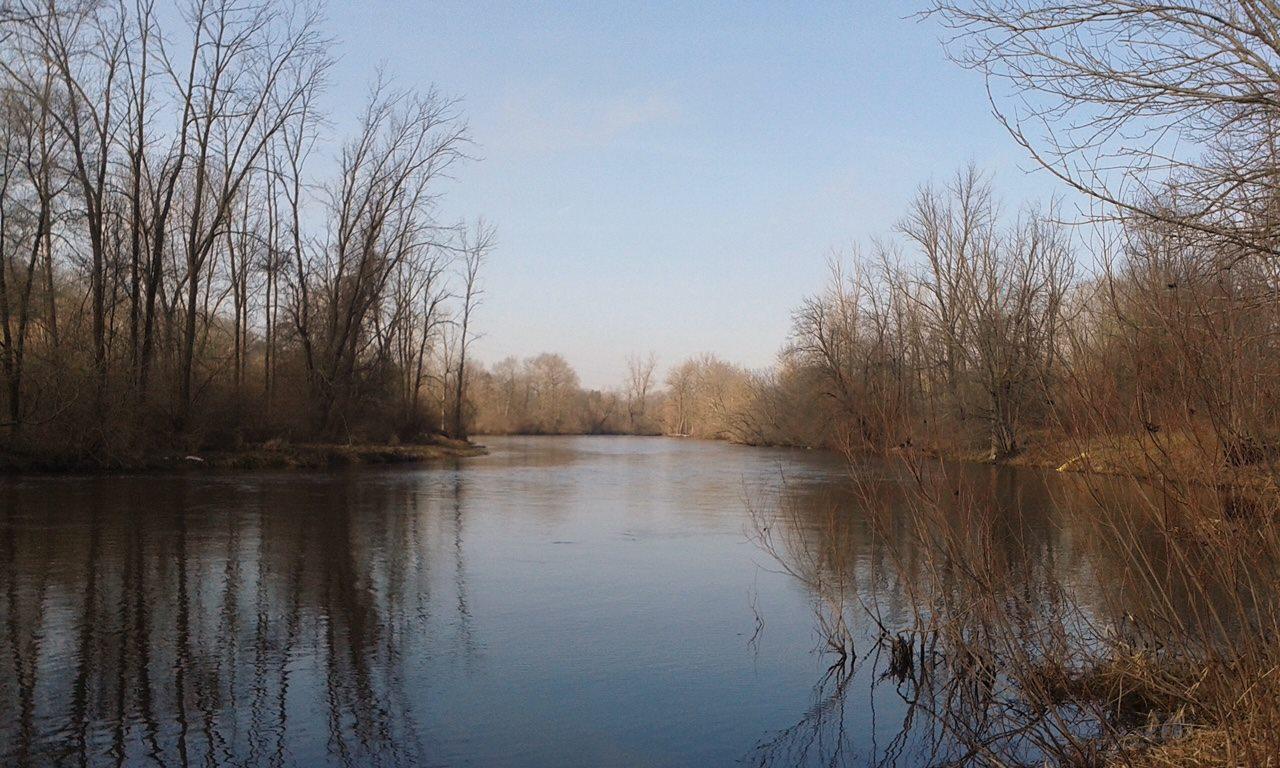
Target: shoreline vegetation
(273, 454)
(186, 269)
(1100, 459)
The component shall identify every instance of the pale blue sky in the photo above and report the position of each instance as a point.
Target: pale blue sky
(673, 176)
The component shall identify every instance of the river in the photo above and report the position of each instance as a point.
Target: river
(587, 601)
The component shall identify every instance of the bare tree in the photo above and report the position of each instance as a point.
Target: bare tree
(380, 219)
(414, 329)
(639, 383)
(1013, 292)
(257, 69)
(950, 226)
(84, 48)
(1129, 100)
(681, 385)
(475, 247)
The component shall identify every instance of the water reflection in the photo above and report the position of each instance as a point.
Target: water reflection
(979, 593)
(861, 551)
(562, 602)
(178, 621)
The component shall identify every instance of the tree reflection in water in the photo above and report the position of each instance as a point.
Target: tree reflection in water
(220, 625)
(840, 548)
(983, 595)
(392, 618)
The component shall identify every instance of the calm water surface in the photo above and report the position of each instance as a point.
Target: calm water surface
(561, 602)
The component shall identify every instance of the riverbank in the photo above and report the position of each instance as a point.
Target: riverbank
(274, 454)
(1190, 458)
(1197, 460)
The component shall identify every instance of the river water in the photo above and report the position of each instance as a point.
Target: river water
(582, 601)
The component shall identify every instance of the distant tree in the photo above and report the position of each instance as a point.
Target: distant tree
(639, 382)
(681, 393)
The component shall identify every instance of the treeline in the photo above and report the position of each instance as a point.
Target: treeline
(542, 395)
(968, 331)
(184, 261)
(703, 397)
(957, 329)
(972, 335)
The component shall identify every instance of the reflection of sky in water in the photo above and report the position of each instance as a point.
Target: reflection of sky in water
(564, 601)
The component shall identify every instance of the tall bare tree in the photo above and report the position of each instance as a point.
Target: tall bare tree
(257, 66)
(380, 219)
(639, 383)
(475, 247)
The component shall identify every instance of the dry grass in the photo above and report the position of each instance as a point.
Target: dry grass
(1164, 650)
(1180, 454)
(1205, 748)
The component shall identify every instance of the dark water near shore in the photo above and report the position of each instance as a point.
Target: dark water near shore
(561, 602)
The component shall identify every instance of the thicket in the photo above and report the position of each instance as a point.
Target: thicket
(190, 258)
(1155, 358)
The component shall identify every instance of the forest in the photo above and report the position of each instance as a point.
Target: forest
(192, 258)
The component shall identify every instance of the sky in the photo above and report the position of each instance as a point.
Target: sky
(673, 177)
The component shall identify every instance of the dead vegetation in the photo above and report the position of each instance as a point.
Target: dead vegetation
(1150, 639)
(177, 274)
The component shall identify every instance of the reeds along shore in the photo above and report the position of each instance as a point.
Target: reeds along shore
(1089, 621)
(1171, 658)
